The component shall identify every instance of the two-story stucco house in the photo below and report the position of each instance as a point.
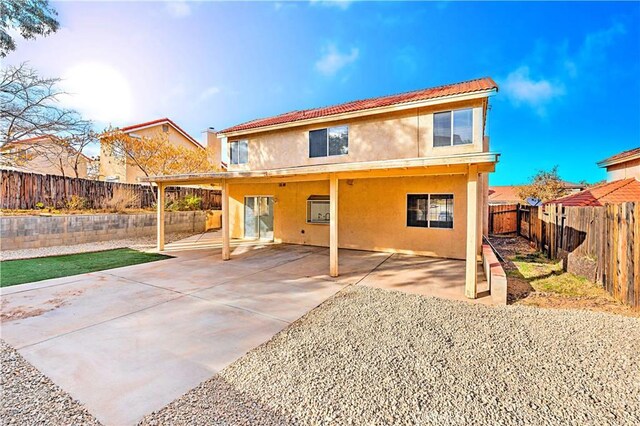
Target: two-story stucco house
(116, 169)
(405, 173)
(45, 155)
(623, 165)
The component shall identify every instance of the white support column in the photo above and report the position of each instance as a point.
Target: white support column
(333, 225)
(471, 283)
(226, 252)
(160, 217)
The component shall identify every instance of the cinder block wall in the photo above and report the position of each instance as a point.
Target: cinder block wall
(22, 232)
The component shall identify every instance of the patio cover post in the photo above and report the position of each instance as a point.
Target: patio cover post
(226, 252)
(471, 284)
(160, 217)
(333, 225)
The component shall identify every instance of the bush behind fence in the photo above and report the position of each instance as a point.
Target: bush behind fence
(25, 191)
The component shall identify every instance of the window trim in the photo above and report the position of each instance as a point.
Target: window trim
(451, 144)
(327, 129)
(429, 194)
(237, 141)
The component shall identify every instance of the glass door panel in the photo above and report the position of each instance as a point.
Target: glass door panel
(251, 214)
(266, 218)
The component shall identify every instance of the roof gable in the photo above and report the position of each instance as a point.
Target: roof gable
(160, 121)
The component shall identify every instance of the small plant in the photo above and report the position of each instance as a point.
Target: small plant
(122, 199)
(77, 203)
(188, 203)
(40, 205)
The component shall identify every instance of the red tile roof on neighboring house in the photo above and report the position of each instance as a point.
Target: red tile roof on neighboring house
(165, 120)
(620, 157)
(478, 85)
(618, 191)
(504, 194)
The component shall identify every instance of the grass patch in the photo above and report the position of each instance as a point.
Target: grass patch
(547, 276)
(14, 272)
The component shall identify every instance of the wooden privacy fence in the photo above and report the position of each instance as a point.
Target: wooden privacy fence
(600, 243)
(503, 219)
(23, 191)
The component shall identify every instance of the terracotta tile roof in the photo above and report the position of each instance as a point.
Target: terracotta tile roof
(165, 120)
(471, 86)
(620, 157)
(618, 191)
(504, 194)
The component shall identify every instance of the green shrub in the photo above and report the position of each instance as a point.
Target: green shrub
(40, 205)
(188, 203)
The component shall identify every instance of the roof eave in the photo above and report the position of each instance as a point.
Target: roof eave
(458, 159)
(607, 162)
(362, 113)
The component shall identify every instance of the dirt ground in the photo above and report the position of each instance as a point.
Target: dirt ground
(534, 280)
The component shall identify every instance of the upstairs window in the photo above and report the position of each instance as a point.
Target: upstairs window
(328, 142)
(453, 127)
(239, 152)
(430, 210)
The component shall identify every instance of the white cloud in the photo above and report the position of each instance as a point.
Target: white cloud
(99, 92)
(340, 4)
(333, 60)
(521, 88)
(178, 8)
(209, 92)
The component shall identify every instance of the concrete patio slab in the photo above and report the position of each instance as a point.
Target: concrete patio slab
(426, 276)
(33, 316)
(127, 341)
(133, 365)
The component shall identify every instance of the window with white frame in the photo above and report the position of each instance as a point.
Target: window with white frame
(239, 152)
(453, 127)
(430, 210)
(328, 142)
(318, 209)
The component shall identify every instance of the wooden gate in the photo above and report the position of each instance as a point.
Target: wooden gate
(503, 219)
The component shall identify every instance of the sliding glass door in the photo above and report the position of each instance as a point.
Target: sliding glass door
(258, 218)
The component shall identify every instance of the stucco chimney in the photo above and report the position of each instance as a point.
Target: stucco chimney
(213, 145)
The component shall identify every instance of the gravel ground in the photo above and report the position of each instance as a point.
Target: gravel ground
(370, 356)
(30, 398)
(140, 243)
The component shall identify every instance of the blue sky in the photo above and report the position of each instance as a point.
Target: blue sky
(568, 72)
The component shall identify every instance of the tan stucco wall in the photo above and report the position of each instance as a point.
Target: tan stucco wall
(110, 166)
(405, 134)
(372, 214)
(629, 169)
(36, 162)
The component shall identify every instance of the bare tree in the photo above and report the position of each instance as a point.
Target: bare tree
(29, 17)
(30, 107)
(544, 186)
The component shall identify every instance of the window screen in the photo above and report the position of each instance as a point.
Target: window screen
(441, 211)
(442, 129)
(318, 143)
(462, 127)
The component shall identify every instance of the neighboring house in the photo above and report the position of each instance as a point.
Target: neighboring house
(116, 169)
(510, 194)
(623, 165)
(405, 173)
(619, 191)
(43, 155)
